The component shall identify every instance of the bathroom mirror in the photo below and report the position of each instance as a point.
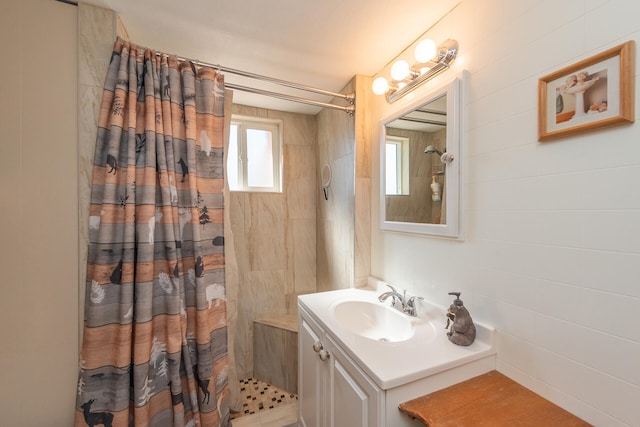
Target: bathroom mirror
(419, 165)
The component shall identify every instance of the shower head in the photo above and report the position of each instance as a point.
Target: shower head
(431, 149)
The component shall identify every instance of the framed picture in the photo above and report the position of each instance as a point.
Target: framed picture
(591, 94)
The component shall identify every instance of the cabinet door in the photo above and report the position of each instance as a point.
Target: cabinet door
(353, 399)
(311, 373)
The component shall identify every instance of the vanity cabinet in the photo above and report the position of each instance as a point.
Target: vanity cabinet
(347, 378)
(333, 391)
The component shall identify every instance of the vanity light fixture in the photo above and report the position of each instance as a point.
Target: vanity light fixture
(430, 61)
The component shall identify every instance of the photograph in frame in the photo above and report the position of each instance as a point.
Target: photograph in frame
(594, 93)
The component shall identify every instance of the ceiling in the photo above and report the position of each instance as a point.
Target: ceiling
(319, 43)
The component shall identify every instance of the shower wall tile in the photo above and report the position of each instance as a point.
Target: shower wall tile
(96, 34)
(277, 237)
(89, 104)
(259, 296)
(302, 242)
(303, 132)
(274, 235)
(336, 216)
(121, 30)
(362, 258)
(266, 232)
(364, 145)
(300, 181)
(341, 217)
(363, 126)
(276, 356)
(269, 362)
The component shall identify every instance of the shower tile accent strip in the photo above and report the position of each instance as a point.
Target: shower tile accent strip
(258, 396)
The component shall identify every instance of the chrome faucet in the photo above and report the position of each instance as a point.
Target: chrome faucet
(408, 305)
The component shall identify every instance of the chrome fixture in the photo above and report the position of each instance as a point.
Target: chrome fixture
(349, 98)
(408, 305)
(431, 149)
(444, 157)
(430, 61)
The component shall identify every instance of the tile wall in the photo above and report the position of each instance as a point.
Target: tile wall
(97, 30)
(336, 215)
(275, 352)
(274, 235)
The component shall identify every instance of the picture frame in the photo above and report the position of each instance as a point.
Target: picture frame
(594, 93)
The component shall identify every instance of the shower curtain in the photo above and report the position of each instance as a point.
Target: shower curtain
(154, 350)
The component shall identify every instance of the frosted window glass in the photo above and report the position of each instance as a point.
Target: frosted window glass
(259, 158)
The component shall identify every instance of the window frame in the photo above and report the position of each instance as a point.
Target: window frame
(274, 126)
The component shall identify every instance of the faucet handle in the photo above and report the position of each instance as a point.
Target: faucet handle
(411, 305)
(413, 299)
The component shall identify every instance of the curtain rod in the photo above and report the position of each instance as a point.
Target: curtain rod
(348, 97)
(349, 109)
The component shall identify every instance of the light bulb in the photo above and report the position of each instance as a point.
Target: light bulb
(380, 86)
(425, 50)
(400, 70)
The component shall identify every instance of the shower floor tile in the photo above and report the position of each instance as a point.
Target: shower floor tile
(259, 396)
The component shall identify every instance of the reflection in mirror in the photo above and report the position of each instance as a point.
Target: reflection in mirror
(419, 168)
(414, 143)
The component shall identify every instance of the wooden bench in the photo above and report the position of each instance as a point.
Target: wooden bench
(492, 400)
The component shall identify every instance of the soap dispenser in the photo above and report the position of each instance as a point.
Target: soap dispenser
(462, 331)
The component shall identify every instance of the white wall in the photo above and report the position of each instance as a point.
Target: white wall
(39, 213)
(551, 249)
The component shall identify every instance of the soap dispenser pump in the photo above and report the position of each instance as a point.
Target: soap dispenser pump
(462, 331)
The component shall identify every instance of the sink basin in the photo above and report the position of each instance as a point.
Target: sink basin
(360, 324)
(373, 320)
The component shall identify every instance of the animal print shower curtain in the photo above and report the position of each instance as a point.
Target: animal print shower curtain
(155, 336)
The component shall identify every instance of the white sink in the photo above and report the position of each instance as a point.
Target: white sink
(373, 334)
(372, 320)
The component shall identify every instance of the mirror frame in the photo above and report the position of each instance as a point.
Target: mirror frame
(453, 91)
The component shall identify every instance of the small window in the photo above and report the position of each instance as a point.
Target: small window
(254, 161)
(397, 165)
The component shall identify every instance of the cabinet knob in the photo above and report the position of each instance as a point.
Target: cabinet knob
(317, 346)
(324, 355)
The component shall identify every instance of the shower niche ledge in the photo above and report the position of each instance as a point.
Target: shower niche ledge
(348, 376)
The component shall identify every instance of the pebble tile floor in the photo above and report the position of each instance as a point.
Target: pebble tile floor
(265, 405)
